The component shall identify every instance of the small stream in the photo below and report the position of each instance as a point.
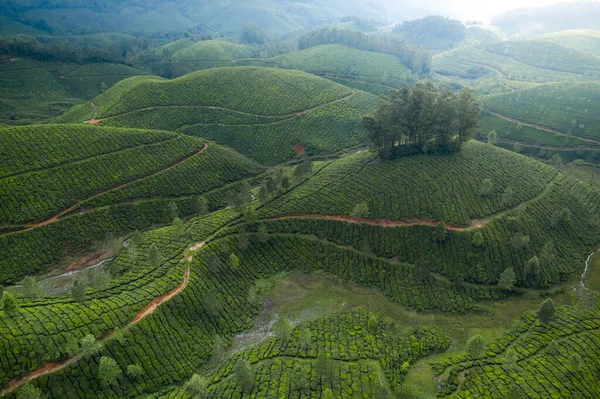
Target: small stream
(587, 265)
(71, 273)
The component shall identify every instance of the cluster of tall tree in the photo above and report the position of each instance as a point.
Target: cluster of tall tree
(422, 119)
(431, 28)
(416, 58)
(33, 48)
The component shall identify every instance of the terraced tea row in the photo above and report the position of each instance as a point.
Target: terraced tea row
(257, 91)
(31, 91)
(569, 108)
(38, 195)
(348, 353)
(419, 186)
(541, 364)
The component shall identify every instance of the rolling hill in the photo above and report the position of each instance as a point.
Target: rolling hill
(260, 112)
(363, 70)
(311, 227)
(116, 180)
(157, 18)
(32, 91)
(568, 108)
(187, 55)
(506, 66)
(584, 40)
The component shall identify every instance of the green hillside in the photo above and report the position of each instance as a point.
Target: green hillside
(421, 202)
(117, 179)
(260, 112)
(538, 349)
(187, 55)
(569, 108)
(490, 72)
(31, 91)
(154, 18)
(364, 70)
(584, 40)
(369, 353)
(548, 56)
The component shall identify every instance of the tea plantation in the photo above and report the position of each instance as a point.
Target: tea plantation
(32, 91)
(262, 116)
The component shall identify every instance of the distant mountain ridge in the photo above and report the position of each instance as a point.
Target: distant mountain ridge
(529, 22)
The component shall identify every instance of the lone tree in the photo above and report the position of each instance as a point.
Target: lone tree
(252, 33)
(109, 371)
(487, 188)
(422, 119)
(507, 279)
(282, 328)
(78, 291)
(28, 391)
(89, 345)
(508, 196)
(31, 287)
(476, 346)
(491, 137)
(244, 375)
(546, 312)
(197, 387)
(360, 210)
(135, 371)
(477, 239)
(218, 350)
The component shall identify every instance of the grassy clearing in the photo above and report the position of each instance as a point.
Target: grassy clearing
(308, 296)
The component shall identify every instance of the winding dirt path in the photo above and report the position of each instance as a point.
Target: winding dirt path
(76, 204)
(51, 367)
(386, 223)
(539, 127)
(94, 121)
(235, 111)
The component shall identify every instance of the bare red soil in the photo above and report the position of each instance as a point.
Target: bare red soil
(298, 148)
(156, 302)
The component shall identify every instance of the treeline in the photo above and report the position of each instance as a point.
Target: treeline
(432, 27)
(66, 52)
(422, 119)
(416, 58)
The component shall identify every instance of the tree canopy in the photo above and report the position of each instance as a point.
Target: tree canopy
(422, 119)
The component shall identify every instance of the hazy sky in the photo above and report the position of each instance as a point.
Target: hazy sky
(473, 9)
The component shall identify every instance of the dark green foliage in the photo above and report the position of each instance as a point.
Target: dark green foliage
(72, 346)
(487, 188)
(360, 210)
(476, 346)
(135, 371)
(196, 387)
(422, 119)
(433, 31)
(89, 346)
(252, 33)
(28, 391)
(244, 375)
(546, 313)
(78, 291)
(31, 287)
(218, 350)
(282, 327)
(507, 279)
(541, 357)
(108, 371)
